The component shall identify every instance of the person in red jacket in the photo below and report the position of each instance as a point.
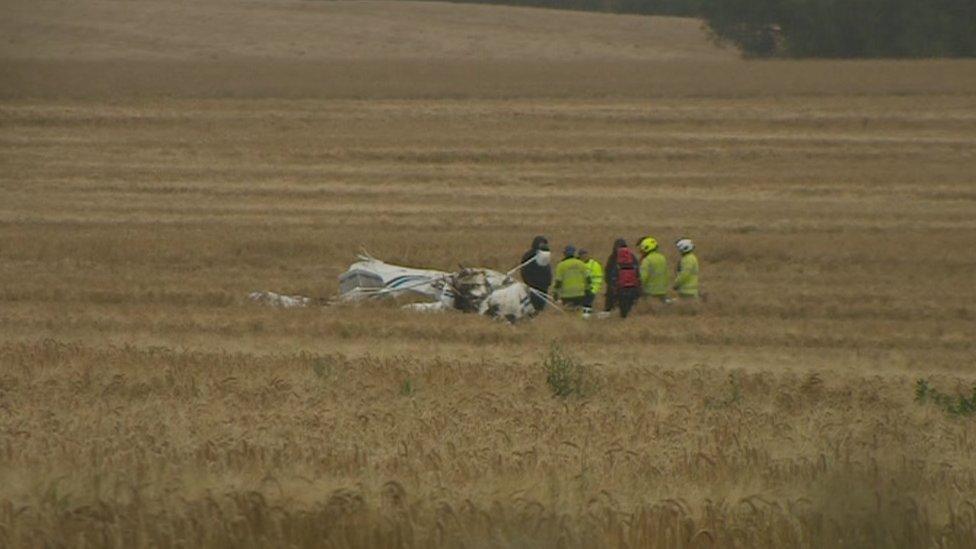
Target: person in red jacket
(623, 278)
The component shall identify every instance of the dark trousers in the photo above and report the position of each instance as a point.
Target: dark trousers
(575, 302)
(538, 302)
(611, 300)
(626, 299)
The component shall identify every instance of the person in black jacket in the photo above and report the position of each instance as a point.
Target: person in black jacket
(537, 272)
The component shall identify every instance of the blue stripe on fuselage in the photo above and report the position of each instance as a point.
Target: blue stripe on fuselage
(404, 279)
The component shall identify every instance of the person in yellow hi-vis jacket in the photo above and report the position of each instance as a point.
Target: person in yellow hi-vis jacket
(596, 278)
(653, 271)
(686, 277)
(572, 283)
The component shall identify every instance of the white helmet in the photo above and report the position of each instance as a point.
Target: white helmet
(684, 245)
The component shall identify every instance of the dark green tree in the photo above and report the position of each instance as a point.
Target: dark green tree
(846, 28)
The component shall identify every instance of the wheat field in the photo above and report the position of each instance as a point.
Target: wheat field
(155, 168)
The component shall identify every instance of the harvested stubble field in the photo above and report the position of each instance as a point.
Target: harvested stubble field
(145, 402)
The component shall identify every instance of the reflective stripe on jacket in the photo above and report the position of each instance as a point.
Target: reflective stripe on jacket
(654, 274)
(572, 279)
(686, 281)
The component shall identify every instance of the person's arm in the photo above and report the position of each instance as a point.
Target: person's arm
(610, 276)
(598, 276)
(683, 274)
(558, 282)
(525, 257)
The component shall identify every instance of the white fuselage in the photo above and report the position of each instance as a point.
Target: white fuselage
(485, 291)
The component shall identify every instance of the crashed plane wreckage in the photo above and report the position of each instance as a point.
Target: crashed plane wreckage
(470, 290)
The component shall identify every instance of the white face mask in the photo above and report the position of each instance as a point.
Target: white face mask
(542, 258)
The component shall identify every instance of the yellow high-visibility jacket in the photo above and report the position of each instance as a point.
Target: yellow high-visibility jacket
(654, 274)
(596, 276)
(686, 280)
(572, 279)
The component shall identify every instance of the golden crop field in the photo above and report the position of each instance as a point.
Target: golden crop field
(160, 161)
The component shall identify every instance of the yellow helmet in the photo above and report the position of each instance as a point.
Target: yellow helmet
(648, 245)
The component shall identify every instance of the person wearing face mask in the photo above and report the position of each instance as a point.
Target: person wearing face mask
(536, 271)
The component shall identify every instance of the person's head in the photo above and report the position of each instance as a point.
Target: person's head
(619, 243)
(569, 251)
(647, 245)
(684, 245)
(583, 254)
(540, 243)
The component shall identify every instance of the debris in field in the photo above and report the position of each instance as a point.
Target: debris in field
(469, 290)
(279, 300)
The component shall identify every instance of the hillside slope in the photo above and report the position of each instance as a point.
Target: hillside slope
(90, 49)
(296, 29)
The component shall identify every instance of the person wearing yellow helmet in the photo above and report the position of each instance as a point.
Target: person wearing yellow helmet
(653, 270)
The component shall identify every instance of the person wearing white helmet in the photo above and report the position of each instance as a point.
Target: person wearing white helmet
(686, 277)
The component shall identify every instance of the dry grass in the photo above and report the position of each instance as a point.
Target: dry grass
(224, 49)
(144, 402)
(90, 30)
(161, 447)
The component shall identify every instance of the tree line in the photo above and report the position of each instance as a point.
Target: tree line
(811, 28)
(643, 7)
(846, 28)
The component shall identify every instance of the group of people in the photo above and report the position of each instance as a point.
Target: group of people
(627, 276)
